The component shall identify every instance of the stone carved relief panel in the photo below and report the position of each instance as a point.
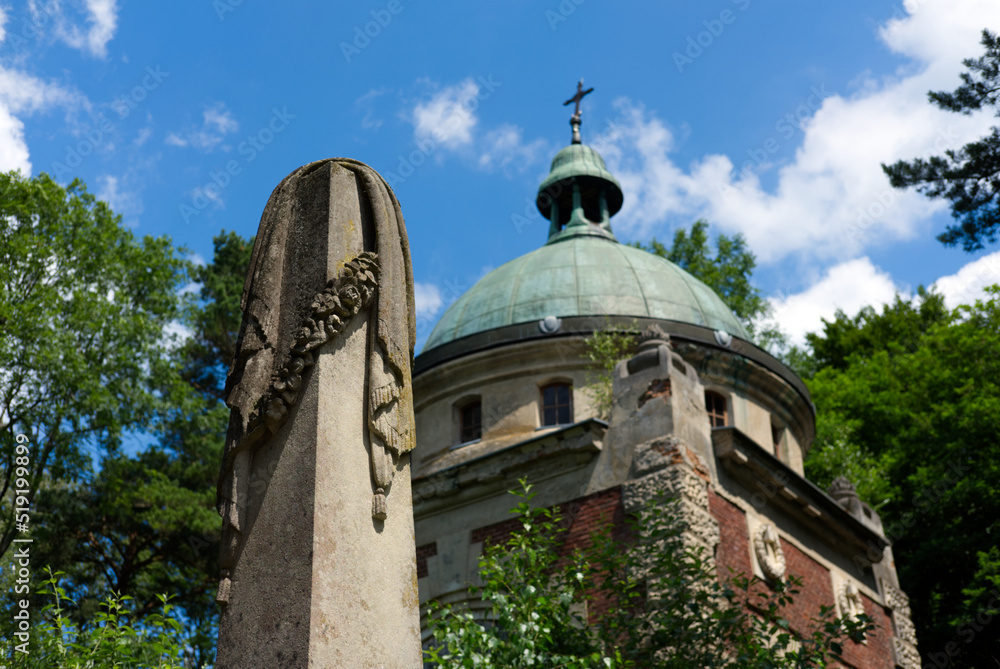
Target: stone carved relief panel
(767, 550)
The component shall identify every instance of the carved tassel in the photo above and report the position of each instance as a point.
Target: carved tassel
(379, 510)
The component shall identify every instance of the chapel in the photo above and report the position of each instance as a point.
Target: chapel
(501, 393)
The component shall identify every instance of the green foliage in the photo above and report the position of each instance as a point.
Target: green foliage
(215, 317)
(83, 306)
(728, 273)
(605, 348)
(968, 177)
(113, 638)
(146, 523)
(666, 606)
(837, 450)
(919, 388)
(899, 328)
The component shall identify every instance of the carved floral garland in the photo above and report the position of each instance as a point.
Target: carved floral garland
(771, 558)
(331, 310)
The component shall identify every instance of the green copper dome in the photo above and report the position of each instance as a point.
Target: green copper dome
(582, 270)
(584, 276)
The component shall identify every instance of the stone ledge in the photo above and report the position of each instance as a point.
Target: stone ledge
(561, 451)
(751, 465)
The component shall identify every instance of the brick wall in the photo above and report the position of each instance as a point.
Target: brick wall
(877, 653)
(734, 546)
(581, 518)
(817, 590)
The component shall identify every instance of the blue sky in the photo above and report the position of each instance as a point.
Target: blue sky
(770, 121)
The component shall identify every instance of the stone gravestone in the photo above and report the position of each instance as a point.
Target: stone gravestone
(317, 555)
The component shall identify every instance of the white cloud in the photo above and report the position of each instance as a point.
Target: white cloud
(22, 94)
(449, 116)
(448, 120)
(175, 333)
(13, 149)
(220, 120)
(99, 16)
(173, 139)
(428, 299)
(211, 193)
(831, 201)
(966, 285)
(103, 20)
(217, 122)
(367, 103)
(121, 195)
(143, 135)
(848, 286)
(505, 148)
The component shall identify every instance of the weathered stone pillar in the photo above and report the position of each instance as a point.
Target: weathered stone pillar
(318, 560)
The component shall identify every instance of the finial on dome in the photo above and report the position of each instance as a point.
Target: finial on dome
(575, 120)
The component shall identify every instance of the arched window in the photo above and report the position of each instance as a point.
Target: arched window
(777, 437)
(470, 422)
(715, 406)
(557, 404)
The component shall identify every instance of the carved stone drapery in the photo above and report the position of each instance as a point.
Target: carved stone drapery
(281, 332)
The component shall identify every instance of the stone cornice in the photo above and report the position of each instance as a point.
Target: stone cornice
(759, 471)
(553, 453)
(585, 325)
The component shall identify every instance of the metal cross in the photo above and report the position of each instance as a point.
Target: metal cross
(579, 96)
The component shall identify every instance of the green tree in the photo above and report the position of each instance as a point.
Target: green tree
(911, 395)
(146, 523)
(968, 177)
(667, 609)
(83, 352)
(899, 328)
(727, 272)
